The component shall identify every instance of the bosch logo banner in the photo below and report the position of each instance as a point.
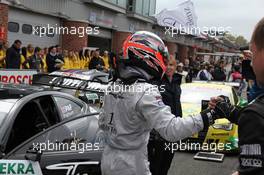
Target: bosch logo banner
(17, 77)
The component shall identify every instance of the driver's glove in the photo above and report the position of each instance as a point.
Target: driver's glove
(223, 109)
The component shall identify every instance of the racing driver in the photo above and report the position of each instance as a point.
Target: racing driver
(133, 107)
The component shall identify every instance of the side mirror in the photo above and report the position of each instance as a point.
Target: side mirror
(33, 155)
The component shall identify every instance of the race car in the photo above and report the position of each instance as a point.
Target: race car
(223, 135)
(87, 85)
(47, 132)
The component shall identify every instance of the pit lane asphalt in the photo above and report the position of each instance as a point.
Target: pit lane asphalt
(184, 164)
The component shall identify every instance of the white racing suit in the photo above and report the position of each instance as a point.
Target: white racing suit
(127, 119)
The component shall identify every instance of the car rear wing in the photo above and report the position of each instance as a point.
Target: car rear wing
(69, 83)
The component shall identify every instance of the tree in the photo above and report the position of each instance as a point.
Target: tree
(241, 41)
(238, 40)
(230, 37)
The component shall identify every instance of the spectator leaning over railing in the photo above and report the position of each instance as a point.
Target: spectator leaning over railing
(13, 55)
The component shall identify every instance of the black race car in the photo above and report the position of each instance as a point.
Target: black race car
(53, 128)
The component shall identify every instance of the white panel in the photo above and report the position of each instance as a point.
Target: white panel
(73, 9)
(34, 19)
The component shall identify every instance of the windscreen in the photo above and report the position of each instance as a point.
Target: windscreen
(195, 94)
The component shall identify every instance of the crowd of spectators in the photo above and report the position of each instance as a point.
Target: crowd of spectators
(211, 70)
(50, 59)
(55, 58)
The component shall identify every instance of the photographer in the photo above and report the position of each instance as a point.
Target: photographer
(251, 118)
(247, 70)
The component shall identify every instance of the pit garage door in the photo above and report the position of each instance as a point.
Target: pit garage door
(102, 40)
(21, 26)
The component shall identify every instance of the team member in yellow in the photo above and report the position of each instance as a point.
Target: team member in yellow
(70, 64)
(106, 60)
(2, 56)
(44, 53)
(87, 58)
(23, 57)
(43, 57)
(76, 62)
(67, 63)
(30, 50)
(81, 59)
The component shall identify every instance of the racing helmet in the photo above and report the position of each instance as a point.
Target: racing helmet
(147, 51)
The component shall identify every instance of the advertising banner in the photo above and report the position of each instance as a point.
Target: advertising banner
(17, 76)
(20, 167)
